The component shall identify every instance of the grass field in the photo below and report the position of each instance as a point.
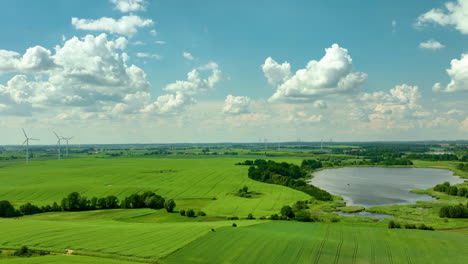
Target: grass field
(61, 259)
(193, 183)
(289, 242)
(105, 233)
(208, 184)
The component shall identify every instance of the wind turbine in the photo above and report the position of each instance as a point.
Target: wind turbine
(27, 144)
(67, 139)
(58, 144)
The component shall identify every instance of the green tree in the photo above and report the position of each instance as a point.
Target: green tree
(190, 213)
(182, 212)
(169, 205)
(287, 211)
(6, 209)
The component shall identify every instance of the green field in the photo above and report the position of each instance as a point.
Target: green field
(289, 242)
(193, 183)
(61, 259)
(209, 184)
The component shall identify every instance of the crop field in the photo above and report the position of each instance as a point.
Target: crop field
(289, 242)
(60, 259)
(101, 233)
(207, 184)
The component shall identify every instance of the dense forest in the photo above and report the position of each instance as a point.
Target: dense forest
(454, 211)
(451, 190)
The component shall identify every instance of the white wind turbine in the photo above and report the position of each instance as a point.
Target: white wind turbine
(58, 145)
(66, 139)
(27, 144)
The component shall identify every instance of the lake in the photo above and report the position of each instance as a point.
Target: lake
(372, 186)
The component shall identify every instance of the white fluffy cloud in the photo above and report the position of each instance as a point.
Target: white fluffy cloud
(458, 74)
(187, 55)
(303, 117)
(275, 72)
(390, 110)
(236, 105)
(331, 75)
(431, 44)
(195, 83)
(90, 73)
(129, 5)
(126, 25)
(35, 59)
(169, 104)
(455, 14)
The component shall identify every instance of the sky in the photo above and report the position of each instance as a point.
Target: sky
(173, 71)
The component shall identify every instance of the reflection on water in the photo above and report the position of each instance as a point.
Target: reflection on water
(367, 187)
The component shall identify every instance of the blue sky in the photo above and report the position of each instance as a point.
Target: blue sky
(230, 41)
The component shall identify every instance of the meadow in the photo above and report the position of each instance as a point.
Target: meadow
(289, 242)
(210, 184)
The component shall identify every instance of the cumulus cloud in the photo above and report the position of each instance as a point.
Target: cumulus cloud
(169, 104)
(126, 25)
(431, 44)
(187, 55)
(125, 6)
(390, 110)
(458, 74)
(195, 83)
(236, 105)
(160, 42)
(331, 75)
(275, 72)
(90, 73)
(304, 117)
(455, 14)
(148, 55)
(35, 59)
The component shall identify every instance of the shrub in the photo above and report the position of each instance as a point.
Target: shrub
(287, 211)
(182, 212)
(6, 209)
(233, 218)
(262, 218)
(410, 226)
(303, 216)
(190, 213)
(234, 225)
(169, 205)
(393, 224)
(201, 213)
(250, 216)
(274, 217)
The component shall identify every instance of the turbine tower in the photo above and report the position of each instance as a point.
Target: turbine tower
(66, 139)
(27, 144)
(58, 145)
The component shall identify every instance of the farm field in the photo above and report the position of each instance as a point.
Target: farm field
(207, 184)
(102, 233)
(60, 259)
(289, 242)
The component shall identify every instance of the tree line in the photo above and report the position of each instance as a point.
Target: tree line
(286, 174)
(451, 190)
(77, 202)
(436, 157)
(454, 211)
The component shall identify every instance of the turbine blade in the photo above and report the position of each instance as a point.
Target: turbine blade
(56, 135)
(24, 132)
(33, 139)
(25, 142)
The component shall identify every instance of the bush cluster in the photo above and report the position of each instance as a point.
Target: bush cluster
(393, 224)
(451, 190)
(454, 211)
